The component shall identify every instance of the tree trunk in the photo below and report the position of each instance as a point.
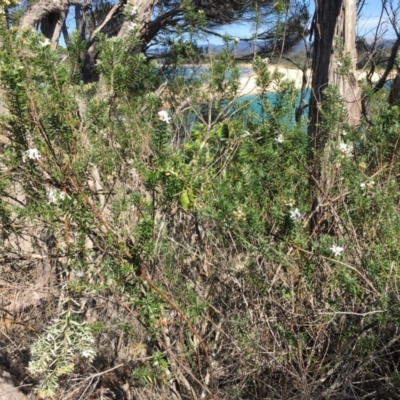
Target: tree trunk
(394, 96)
(334, 63)
(55, 37)
(50, 15)
(145, 9)
(38, 11)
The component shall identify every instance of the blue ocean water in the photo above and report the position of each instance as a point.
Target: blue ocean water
(195, 72)
(255, 101)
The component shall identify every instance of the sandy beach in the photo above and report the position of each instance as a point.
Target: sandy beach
(248, 83)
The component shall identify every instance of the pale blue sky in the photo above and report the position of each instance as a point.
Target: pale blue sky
(370, 19)
(366, 25)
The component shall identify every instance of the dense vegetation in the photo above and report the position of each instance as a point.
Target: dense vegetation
(156, 239)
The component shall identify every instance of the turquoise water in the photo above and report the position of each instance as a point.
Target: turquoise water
(256, 108)
(194, 72)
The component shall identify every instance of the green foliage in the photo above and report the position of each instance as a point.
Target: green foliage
(343, 58)
(53, 353)
(195, 223)
(145, 376)
(183, 51)
(122, 71)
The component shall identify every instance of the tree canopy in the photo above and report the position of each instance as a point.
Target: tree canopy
(157, 22)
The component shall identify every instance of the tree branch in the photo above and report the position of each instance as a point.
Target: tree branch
(42, 8)
(160, 22)
(389, 66)
(57, 31)
(107, 19)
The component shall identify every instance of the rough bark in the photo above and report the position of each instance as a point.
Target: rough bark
(40, 10)
(50, 15)
(349, 89)
(333, 19)
(394, 96)
(145, 9)
(58, 28)
(80, 21)
(48, 24)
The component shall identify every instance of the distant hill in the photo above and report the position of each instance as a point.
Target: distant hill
(241, 49)
(246, 48)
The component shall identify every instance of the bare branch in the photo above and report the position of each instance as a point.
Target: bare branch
(57, 31)
(107, 19)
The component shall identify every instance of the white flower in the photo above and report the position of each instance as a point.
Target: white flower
(87, 354)
(265, 60)
(344, 133)
(279, 139)
(343, 147)
(52, 196)
(336, 250)
(163, 116)
(346, 149)
(31, 154)
(46, 42)
(131, 26)
(131, 10)
(134, 10)
(296, 215)
(367, 185)
(55, 196)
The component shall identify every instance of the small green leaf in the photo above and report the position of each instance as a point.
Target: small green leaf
(190, 195)
(184, 200)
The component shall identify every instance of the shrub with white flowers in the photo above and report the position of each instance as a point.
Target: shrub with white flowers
(279, 139)
(163, 116)
(31, 154)
(336, 250)
(296, 215)
(346, 149)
